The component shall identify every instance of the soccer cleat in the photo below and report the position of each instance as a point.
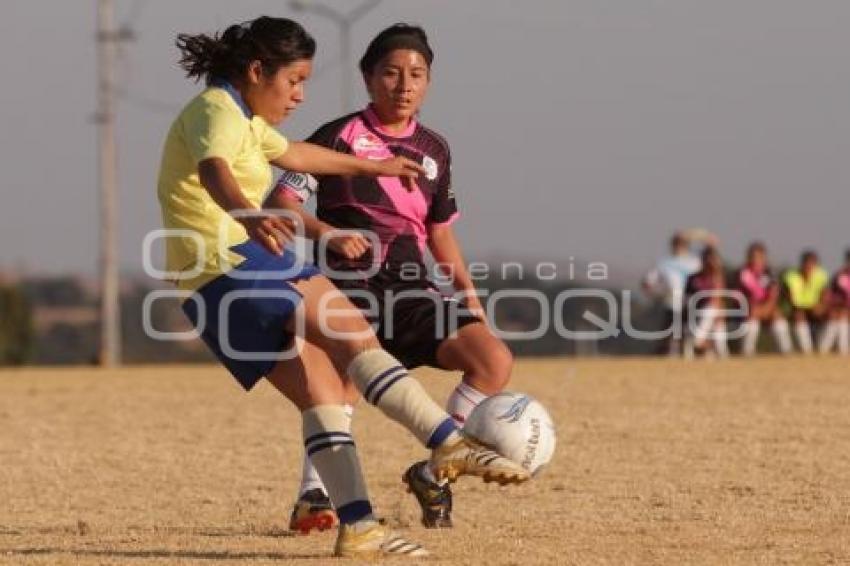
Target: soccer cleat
(434, 499)
(313, 510)
(468, 457)
(375, 541)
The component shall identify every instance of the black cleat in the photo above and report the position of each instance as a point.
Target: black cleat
(313, 510)
(434, 499)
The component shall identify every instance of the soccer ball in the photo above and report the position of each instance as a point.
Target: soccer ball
(516, 426)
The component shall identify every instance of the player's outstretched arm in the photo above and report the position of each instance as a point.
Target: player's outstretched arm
(306, 157)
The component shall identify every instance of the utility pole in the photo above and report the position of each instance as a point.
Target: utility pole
(344, 21)
(107, 38)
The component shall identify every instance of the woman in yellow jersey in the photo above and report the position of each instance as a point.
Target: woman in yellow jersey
(249, 294)
(805, 291)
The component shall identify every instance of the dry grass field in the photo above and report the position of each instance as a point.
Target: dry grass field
(659, 462)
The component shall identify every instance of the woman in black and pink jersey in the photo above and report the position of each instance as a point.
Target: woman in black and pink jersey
(704, 305)
(837, 330)
(761, 289)
(380, 261)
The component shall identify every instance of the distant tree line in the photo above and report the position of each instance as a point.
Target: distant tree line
(31, 331)
(17, 337)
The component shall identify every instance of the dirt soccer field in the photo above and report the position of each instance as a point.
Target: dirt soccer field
(659, 462)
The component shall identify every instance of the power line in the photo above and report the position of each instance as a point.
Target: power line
(344, 21)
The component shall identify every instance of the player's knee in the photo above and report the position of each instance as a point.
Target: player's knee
(350, 328)
(503, 364)
(495, 365)
(343, 340)
(352, 347)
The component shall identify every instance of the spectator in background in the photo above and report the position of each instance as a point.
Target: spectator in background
(838, 326)
(761, 289)
(705, 306)
(667, 280)
(805, 290)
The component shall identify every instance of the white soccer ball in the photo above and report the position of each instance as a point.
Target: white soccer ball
(516, 426)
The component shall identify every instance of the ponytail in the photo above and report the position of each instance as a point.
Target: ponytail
(274, 42)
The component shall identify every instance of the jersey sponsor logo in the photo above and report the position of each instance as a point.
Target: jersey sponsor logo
(367, 142)
(431, 168)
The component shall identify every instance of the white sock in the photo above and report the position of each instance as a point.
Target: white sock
(461, 402)
(844, 337)
(782, 335)
(688, 348)
(804, 336)
(332, 450)
(385, 383)
(828, 337)
(721, 344)
(751, 336)
(309, 475)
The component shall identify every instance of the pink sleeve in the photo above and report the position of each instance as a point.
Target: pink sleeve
(748, 283)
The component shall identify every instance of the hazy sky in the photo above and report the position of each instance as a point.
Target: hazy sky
(578, 128)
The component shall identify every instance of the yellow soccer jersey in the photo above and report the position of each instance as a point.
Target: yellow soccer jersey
(216, 123)
(806, 293)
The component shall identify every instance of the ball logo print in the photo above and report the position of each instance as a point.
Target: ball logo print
(513, 414)
(517, 426)
(532, 444)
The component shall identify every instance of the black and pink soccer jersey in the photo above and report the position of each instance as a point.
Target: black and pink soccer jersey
(841, 288)
(756, 285)
(399, 217)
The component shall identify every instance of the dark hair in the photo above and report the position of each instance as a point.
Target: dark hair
(757, 246)
(678, 240)
(808, 255)
(397, 36)
(708, 252)
(274, 42)
(847, 254)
